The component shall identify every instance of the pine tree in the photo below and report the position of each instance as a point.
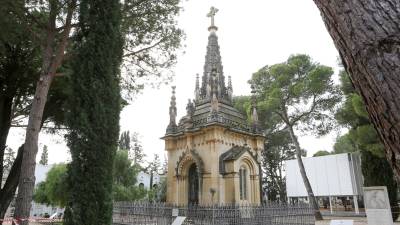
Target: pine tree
(95, 105)
(45, 156)
(300, 93)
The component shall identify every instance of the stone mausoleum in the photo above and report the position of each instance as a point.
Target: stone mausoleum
(213, 152)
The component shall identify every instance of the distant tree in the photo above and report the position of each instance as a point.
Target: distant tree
(54, 190)
(137, 154)
(321, 153)
(363, 137)
(125, 141)
(300, 94)
(277, 149)
(45, 156)
(124, 173)
(125, 188)
(154, 168)
(159, 192)
(369, 51)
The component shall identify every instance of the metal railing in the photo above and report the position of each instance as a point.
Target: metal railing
(142, 213)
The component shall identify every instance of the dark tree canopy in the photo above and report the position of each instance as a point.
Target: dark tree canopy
(95, 105)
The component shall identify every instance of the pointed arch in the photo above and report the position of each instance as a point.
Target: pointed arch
(186, 159)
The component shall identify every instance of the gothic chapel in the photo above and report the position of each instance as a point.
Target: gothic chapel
(213, 153)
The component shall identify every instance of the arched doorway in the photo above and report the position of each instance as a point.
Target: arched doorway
(193, 178)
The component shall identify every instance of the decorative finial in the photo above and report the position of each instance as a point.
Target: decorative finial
(230, 89)
(190, 108)
(172, 112)
(211, 14)
(254, 116)
(197, 89)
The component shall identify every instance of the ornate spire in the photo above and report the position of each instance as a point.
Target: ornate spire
(172, 112)
(254, 115)
(213, 64)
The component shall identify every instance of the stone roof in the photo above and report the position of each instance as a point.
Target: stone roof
(233, 154)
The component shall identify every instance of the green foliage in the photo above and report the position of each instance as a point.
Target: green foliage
(158, 193)
(344, 144)
(53, 191)
(321, 153)
(152, 39)
(131, 193)
(124, 172)
(44, 158)
(95, 105)
(298, 93)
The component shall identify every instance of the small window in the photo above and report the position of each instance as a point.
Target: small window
(141, 186)
(243, 183)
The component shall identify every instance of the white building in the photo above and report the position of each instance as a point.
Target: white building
(144, 179)
(330, 176)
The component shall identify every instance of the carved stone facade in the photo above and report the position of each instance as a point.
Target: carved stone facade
(213, 153)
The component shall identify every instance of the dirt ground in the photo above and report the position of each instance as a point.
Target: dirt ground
(357, 220)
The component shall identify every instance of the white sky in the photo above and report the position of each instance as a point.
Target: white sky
(251, 33)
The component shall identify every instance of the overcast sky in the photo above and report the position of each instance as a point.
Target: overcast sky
(252, 34)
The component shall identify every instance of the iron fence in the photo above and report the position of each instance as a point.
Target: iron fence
(141, 213)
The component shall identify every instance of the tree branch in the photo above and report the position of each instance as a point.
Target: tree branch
(144, 49)
(64, 40)
(307, 113)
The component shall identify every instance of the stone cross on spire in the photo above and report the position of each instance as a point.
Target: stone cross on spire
(211, 14)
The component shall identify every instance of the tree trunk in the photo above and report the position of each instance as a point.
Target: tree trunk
(5, 123)
(27, 176)
(7, 193)
(367, 35)
(311, 197)
(53, 53)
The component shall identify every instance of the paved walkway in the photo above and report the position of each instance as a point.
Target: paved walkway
(357, 220)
